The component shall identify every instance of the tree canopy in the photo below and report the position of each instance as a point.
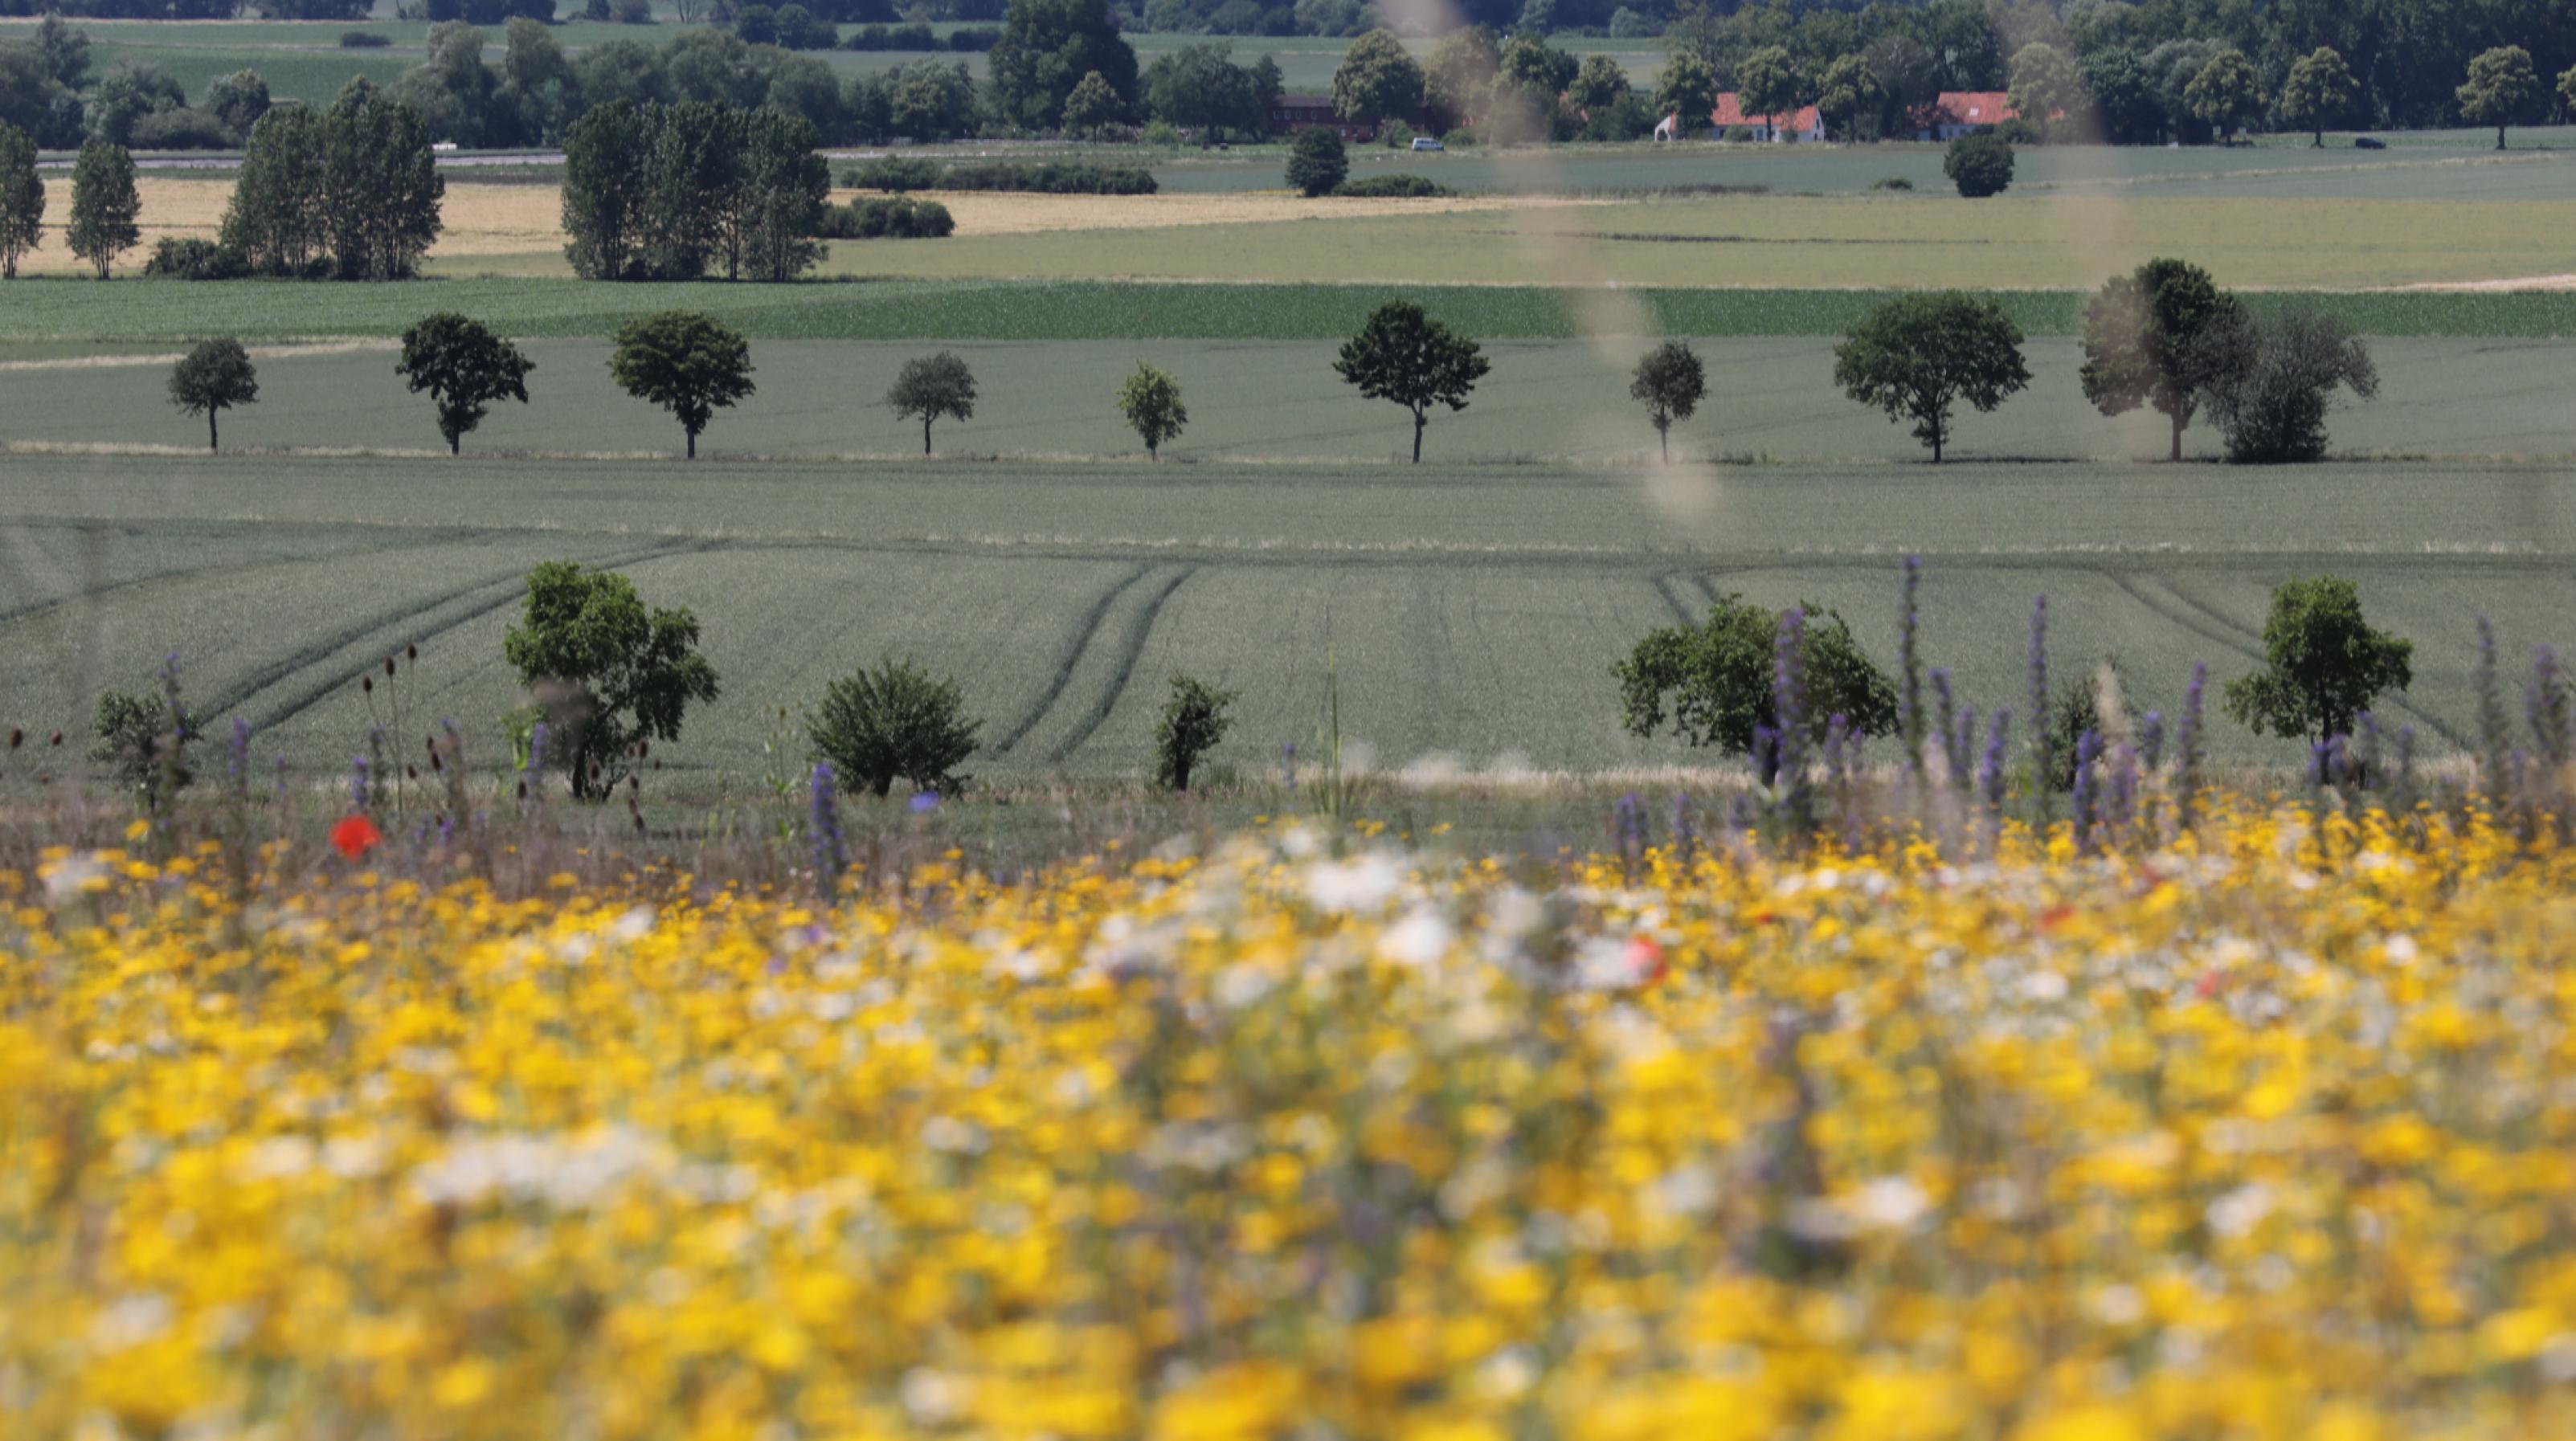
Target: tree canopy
(464, 367)
(1317, 162)
(1405, 356)
(1713, 682)
(2502, 89)
(1376, 81)
(930, 387)
(2318, 92)
(607, 674)
(686, 363)
(2323, 663)
(104, 206)
(1670, 382)
(1046, 48)
(1151, 401)
(214, 375)
(1917, 356)
(2149, 340)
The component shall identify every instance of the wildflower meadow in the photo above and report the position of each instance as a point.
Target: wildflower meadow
(2257, 1126)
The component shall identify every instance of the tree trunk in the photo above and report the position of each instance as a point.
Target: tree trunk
(1664, 437)
(2177, 436)
(1936, 445)
(925, 435)
(211, 445)
(2499, 137)
(1417, 437)
(2321, 138)
(693, 445)
(453, 442)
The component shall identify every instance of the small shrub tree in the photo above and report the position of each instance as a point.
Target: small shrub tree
(2149, 339)
(1405, 356)
(2272, 380)
(608, 674)
(143, 741)
(22, 199)
(2502, 90)
(1917, 356)
(896, 722)
(1194, 721)
(1317, 162)
(2323, 664)
(214, 375)
(464, 367)
(1151, 401)
(1670, 382)
(104, 206)
(932, 386)
(686, 363)
(1713, 682)
(1980, 165)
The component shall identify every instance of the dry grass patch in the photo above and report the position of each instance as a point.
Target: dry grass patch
(480, 220)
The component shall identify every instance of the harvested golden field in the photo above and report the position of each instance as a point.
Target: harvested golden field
(490, 220)
(2264, 1130)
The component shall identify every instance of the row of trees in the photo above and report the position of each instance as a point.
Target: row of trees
(2166, 338)
(46, 89)
(105, 205)
(678, 192)
(351, 191)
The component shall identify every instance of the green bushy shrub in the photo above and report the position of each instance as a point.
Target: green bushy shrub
(1392, 187)
(194, 259)
(893, 217)
(894, 722)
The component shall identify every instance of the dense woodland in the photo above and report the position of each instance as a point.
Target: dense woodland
(2192, 70)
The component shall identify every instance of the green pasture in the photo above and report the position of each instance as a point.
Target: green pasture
(1772, 401)
(43, 316)
(1471, 613)
(2018, 242)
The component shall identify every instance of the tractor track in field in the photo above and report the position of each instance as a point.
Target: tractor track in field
(1672, 599)
(1131, 650)
(2198, 618)
(181, 573)
(494, 591)
(1072, 659)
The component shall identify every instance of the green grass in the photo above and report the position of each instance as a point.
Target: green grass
(1472, 612)
(127, 311)
(1772, 397)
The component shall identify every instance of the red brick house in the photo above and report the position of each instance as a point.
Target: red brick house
(1291, 113)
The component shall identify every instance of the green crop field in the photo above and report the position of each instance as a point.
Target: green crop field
(1772, 398)
(1471, 613)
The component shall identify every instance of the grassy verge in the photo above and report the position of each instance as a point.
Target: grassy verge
(164, 311)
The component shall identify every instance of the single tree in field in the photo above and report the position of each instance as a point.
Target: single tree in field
(2502, 89)
(464, 367)
(607, 673)
(1194, 720)
(1151, 401)
(1316, 161)
(1376, 80)
(22, 198)
(1769, 84)
(1847, 91)
(2227, 93)
(895, 722)
(1917, 356)
(686, 363)
(1092, 108)
(214, 375)
(2148, 341)
(1713, 682)
(1980, 165)
(2046, 90)
(1670, 382)
(104, 206)
(1406, 356)
(2319, 92)
(2323, 664)
(932, 386)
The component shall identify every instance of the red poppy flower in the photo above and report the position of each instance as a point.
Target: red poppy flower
(355, 836)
